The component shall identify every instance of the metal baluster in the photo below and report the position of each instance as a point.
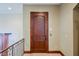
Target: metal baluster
(12, 50)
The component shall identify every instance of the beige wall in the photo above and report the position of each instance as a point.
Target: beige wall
(60, 21)
(66, 28)
(12, 23)
(53, 24)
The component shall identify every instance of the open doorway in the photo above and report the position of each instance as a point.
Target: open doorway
(76, 30)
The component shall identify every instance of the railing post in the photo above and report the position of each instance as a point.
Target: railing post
(23, 46)
(12, 50)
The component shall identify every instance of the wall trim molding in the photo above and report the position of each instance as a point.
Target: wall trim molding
(27, 52)
(46, 52)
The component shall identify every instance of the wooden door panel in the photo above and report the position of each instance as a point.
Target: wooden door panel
(39, 31)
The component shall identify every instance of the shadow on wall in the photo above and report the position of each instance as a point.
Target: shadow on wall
(76, 29)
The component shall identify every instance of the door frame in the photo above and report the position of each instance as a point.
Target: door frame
(47, 33)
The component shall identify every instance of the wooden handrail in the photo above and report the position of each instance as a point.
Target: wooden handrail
(11, 46)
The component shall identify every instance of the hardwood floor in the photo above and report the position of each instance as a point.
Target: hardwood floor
(42, 54)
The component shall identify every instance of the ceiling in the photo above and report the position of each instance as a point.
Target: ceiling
(15, 8)
(10, 8)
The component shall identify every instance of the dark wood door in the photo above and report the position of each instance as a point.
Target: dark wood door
(39, 31)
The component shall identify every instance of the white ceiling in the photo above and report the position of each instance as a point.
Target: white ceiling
(15, 8)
